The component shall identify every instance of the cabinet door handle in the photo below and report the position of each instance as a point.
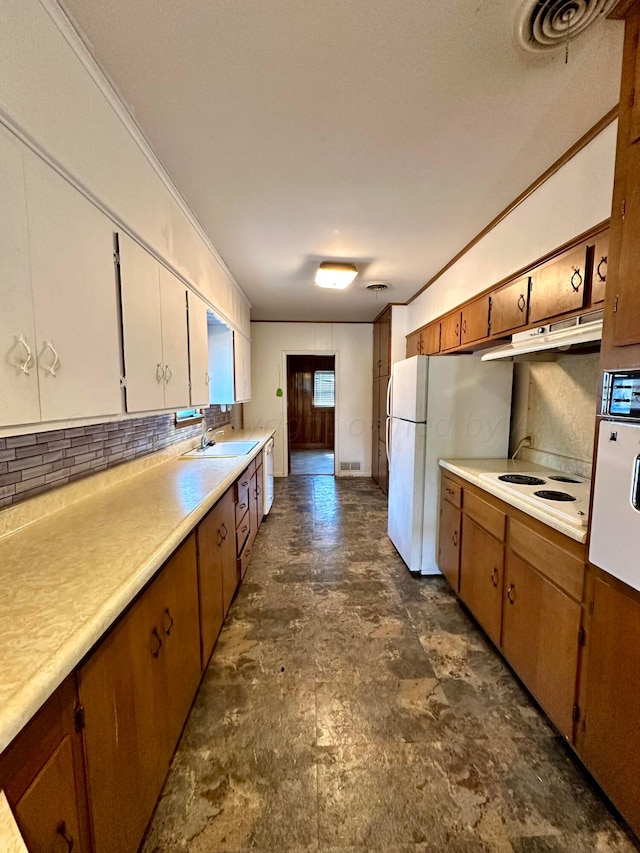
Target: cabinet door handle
(603, 260)
(494, 577)
(26, 364)
(62, 830)
(155, 652)
(168, 373)
(454, 538)
(510, 594)
(244, 528)
(226, 530)
(450, 492)
(258, 491)
(206, 378)
(464, 327)
(159, 373)
(56, 361)
(171, 621)
(457, 330)
(244, 483)
(575, 284)
(521, 303)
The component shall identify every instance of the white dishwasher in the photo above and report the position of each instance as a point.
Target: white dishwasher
(267, 475)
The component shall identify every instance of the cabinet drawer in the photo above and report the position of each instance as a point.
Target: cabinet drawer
(451, 492)
(553, 562)
(242, 532)
(242, 504)
(243, 559)
(489, 517)
(242, 483)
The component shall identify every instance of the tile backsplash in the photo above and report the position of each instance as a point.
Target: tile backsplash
(555, 402)
(36, 462)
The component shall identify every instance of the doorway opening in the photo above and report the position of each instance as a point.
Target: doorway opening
(311, 414)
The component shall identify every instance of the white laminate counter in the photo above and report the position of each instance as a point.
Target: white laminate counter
(471, 469)
(65, 579)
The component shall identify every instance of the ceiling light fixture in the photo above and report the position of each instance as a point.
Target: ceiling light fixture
(335, 275)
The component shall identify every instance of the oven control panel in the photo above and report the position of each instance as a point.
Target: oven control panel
(621, 394)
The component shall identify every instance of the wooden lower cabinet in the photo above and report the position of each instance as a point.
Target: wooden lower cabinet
(540, 630)
(609, 735)
(449, 543)
(216, 560)
(42, 774)
(524, 583)
(481, 574)
(136, 689)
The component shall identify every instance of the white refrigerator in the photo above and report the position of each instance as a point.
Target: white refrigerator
(439, 407)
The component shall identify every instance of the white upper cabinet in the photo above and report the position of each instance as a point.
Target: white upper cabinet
(198, 351)
(175, 341)
(19, 401)
(154, 326)
(59, 318)
(242, 367)
(74, 298)
(220, 361)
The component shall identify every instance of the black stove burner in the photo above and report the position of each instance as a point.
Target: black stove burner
(522, 480)
(549, 495)
(560, 479)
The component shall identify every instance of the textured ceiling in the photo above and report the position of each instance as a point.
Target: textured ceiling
(387, 134)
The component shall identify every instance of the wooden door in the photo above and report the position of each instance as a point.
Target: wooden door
(449, 543)
(451, 328)
(75, 298)
(414, 344)
(198, 351)
(175, 343)
(212, 532)
(310, 427)
(141, 327)
(383, 469)
(509, 306)
(431, 339)
(48, 814)
(174, 605)
(385, 342)
(540, 639)
(611, 736)
(19, 400)
(481, 577)
(600, 264)
(558, 287)
(126, 756)
(475, 320)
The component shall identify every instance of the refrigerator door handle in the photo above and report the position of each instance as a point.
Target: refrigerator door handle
(635, 488)
(386, 439)
(389, 397)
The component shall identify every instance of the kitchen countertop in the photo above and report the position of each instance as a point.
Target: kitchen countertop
(67, 577)
(470, 469)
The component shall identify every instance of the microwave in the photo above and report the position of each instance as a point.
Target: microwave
(621, 394)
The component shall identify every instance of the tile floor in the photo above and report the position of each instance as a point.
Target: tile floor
(312, 462)
(349, 706)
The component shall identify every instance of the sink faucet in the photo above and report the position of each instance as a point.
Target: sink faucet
(204, 442)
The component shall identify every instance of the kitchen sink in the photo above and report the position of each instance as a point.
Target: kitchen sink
(221, 449)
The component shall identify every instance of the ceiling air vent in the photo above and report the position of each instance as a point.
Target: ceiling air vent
(544, 25)
(377, 286)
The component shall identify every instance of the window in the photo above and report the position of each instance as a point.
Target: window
(188, 417)
(324, 393)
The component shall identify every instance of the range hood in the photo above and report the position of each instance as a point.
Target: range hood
(558, 337)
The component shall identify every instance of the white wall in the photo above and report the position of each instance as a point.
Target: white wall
(352, 344)
(54, 96)
(574, 199)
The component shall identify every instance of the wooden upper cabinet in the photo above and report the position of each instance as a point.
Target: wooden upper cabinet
(600, 264)
(633, 56)
(451, 330)
(509, 306)
(475, 320)
(414, 344)
(431, 339)
(558, 287)
(385, 343)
